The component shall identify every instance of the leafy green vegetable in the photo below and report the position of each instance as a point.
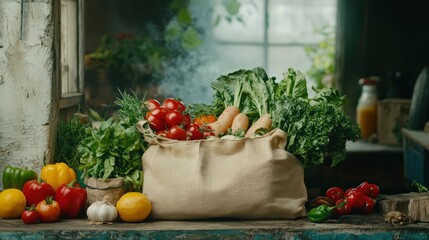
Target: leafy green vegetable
(317, 127)
(249, 90)
(294, 84)
(69, 135)
(114, 149)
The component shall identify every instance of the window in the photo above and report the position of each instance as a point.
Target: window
(70, 76)
(273, 33)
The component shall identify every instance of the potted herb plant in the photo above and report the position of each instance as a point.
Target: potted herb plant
(110, 154)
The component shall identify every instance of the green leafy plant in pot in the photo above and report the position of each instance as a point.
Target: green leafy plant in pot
(112, 149)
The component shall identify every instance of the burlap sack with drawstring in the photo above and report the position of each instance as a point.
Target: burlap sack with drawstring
(110, 189)
(251, 178)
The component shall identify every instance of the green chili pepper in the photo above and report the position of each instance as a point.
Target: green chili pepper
(321, 213)
(14, 177)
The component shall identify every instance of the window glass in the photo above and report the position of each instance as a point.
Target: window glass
(251, 29)
(291, 26)
(280, 60)
(295, 21)
(239, 56)
(69, 47)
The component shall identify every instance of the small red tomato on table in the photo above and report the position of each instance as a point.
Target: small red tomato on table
(355, 198)
(343, 207)
(49, 210)
(30, 215)
(369, 205)
(335, 193)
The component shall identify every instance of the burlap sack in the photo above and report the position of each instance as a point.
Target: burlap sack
(110, 189)
(252, 178)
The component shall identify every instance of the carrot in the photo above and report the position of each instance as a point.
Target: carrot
(241, 121)
(224, 121)
(263, 122)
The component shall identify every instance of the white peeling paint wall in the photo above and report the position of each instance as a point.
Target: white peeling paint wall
(26, 73)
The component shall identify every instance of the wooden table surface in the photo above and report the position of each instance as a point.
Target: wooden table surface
(352, 227)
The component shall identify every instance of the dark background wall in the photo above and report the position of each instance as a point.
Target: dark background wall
(375, 37)
(381, 38)
(115, 16)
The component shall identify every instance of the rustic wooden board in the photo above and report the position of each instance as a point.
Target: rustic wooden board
(415, 205)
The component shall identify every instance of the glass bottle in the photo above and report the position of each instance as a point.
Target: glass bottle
(366, 110)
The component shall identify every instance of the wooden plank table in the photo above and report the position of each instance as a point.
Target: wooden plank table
(360, 227)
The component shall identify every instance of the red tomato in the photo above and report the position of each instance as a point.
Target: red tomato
(194, 132)
(375, 190)
(205, 119)
(36, 191)
(174, 104)
(173, 118)
(348, 191)
(365, 188)
(159, 112)
(369, 189)
(343, 209)
(207, 131)
(355, 198)
(49, 210)
(187, 120)
(30, 215)
(151, 104)
(335, 193)
(369, 205)
(156, 118)
(178, 133)
(162, 133)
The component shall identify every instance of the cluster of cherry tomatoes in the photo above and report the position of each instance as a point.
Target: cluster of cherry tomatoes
(171, 119)
(359, 200)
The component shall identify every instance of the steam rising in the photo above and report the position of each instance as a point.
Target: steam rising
(189, 77)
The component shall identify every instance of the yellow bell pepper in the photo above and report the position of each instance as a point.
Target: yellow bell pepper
(57, 174)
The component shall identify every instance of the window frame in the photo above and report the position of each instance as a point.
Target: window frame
(64, 106)
(71, 100)
(265, 43)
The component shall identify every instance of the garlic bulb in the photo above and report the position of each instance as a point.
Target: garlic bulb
(101, 212)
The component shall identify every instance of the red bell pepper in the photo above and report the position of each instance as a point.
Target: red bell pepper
(36, 191)
(72, 199)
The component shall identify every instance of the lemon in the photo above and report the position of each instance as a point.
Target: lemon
(133, 207)
(12, 203)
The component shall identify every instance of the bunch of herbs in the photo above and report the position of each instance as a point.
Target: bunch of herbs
(114, 149)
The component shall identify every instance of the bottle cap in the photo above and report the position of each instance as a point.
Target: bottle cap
(372, 80)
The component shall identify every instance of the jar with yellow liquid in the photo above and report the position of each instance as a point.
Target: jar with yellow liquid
(366, 111)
